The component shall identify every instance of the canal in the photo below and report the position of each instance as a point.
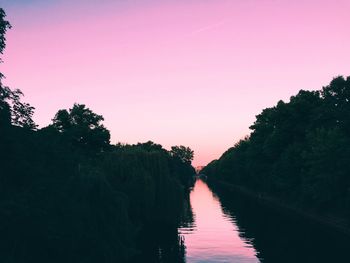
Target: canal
(227, 228)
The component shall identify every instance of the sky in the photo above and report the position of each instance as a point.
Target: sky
(181, 72)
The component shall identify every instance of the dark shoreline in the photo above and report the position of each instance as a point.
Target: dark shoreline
(334, 224)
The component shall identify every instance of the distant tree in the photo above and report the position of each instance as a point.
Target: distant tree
(185, 154)
(83, 127)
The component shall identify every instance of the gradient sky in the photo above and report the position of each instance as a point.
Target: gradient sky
(176, 72)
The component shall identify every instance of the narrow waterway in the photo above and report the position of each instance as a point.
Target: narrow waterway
(214, 236)
(225, 227)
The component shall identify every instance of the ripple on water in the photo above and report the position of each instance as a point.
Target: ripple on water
(214, 235)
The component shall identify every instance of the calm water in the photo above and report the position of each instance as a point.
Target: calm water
(223, 226)
(214, 235)
(227, 228)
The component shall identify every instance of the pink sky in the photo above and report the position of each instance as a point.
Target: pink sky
(176, 72)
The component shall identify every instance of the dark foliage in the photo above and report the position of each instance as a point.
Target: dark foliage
(4, 26)
(83, 128)
(298, 152)
(58, 203)
(12, 109)
(185, 154)
(67, 195)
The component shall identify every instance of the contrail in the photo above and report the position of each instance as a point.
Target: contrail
(208, 27)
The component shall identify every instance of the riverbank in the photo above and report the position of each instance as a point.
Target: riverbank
(330, 223)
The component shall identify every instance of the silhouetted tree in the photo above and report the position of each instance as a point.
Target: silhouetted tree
(185, 154)
(298, 151)
(59, 203)
(83, 127)
(12, 109)
(336, 106)
(4, 26)
(5, 111)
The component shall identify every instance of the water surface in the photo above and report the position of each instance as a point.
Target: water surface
(223, 226)
(227, 227)
(214, 235)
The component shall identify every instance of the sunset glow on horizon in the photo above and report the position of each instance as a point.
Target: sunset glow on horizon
(191, 73)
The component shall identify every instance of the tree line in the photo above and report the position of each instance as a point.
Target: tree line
(298, 152)
(68, 195)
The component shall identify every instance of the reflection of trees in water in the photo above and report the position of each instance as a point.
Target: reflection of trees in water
(279, 237)
(162, 243)
(187, 219)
